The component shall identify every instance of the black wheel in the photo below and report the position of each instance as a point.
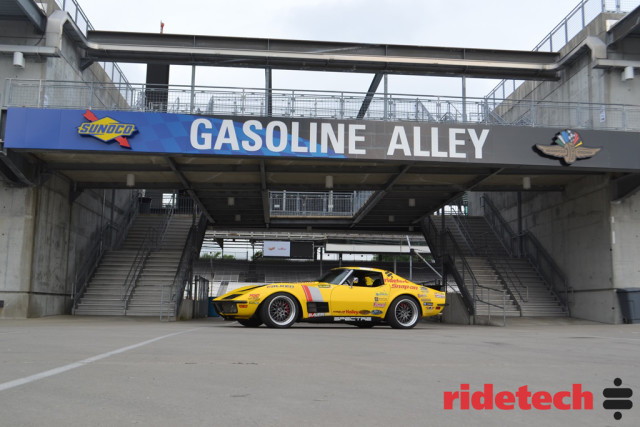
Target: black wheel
(279, 311)
(253, 322)
(404, 313)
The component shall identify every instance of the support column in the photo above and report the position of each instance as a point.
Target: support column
(268, 92)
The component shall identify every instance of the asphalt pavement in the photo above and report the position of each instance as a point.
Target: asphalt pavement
(99, 371)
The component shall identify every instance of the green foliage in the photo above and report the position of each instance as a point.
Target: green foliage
(216, 255)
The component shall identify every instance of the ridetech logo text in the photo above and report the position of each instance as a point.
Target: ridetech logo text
(576, 399)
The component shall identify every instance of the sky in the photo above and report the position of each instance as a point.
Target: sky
(488, 24)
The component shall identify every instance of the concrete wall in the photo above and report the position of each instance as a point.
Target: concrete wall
(64, 68)
(575, 227)
(44, 238)
(594, 241)
(45, 231)
(582, 83)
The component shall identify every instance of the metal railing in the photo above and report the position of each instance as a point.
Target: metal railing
(483, 245)
(108, 238)
(546, 267)
(527, 246)
(190, 252)
(503, 232)
(320, 104)
(316, 204)
(153, 238)
(566, 30)
(463, 274)
(77, 15)
(137, 266)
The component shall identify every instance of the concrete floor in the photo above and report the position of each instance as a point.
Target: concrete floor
(80, 371)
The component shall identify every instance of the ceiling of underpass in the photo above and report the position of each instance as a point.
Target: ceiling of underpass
(211, 180)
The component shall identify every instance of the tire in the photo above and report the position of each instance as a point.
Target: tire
(365, 325)
(279, 311)
(404, 313)
(253, 322)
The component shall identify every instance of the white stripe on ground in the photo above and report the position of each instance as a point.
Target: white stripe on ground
(61, 369)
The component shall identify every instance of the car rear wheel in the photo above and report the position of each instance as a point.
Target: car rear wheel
(404, 313)
(253, 322)
(279, 311)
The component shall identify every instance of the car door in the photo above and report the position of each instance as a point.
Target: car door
(357, 299)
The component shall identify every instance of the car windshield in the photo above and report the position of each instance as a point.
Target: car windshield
(335, 277)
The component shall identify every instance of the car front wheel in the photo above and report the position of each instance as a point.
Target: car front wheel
(279, 311)
(404, 313)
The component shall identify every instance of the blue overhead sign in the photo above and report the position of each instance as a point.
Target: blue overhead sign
(183, 134)
(162, 133)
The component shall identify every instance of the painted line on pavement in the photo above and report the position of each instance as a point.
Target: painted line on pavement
(61, 369)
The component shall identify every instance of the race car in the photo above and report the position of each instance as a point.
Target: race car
(359, 296)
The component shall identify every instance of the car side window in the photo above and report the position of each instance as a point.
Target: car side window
(369, 279)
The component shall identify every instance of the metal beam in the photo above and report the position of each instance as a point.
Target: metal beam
(33, 13)
(266, 207)
(187, 185)
(370, 93)
(378, 196)
(17, 169)
(319, 55)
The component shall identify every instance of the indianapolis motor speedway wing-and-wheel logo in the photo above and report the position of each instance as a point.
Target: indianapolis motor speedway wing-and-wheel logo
(568, 147)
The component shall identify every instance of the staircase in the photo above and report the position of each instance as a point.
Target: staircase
(104, 295)
(502, 280)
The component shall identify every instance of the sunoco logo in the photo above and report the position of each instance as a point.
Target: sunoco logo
(106, 129)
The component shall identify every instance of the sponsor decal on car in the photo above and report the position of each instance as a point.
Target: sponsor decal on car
(324, 286)
(365, 312)
(317, 314)
(280, 286)
(376, 312)
(380, 304)
(407, 287)
(352, 319)
(312, 294)
(439, 295)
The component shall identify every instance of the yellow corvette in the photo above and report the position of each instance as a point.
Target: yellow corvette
(360, 296)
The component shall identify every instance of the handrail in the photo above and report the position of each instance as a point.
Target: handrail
(546, 267)
(167, 220)
(457, 266)
(149, 241)
(102, 243)
(505, 235)
(463, 227)
(431, 236)
(461, 275)
(196, 233)
(490, 304)
(574, 22)
(504, 271)
(31, 93)
(532, 250)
